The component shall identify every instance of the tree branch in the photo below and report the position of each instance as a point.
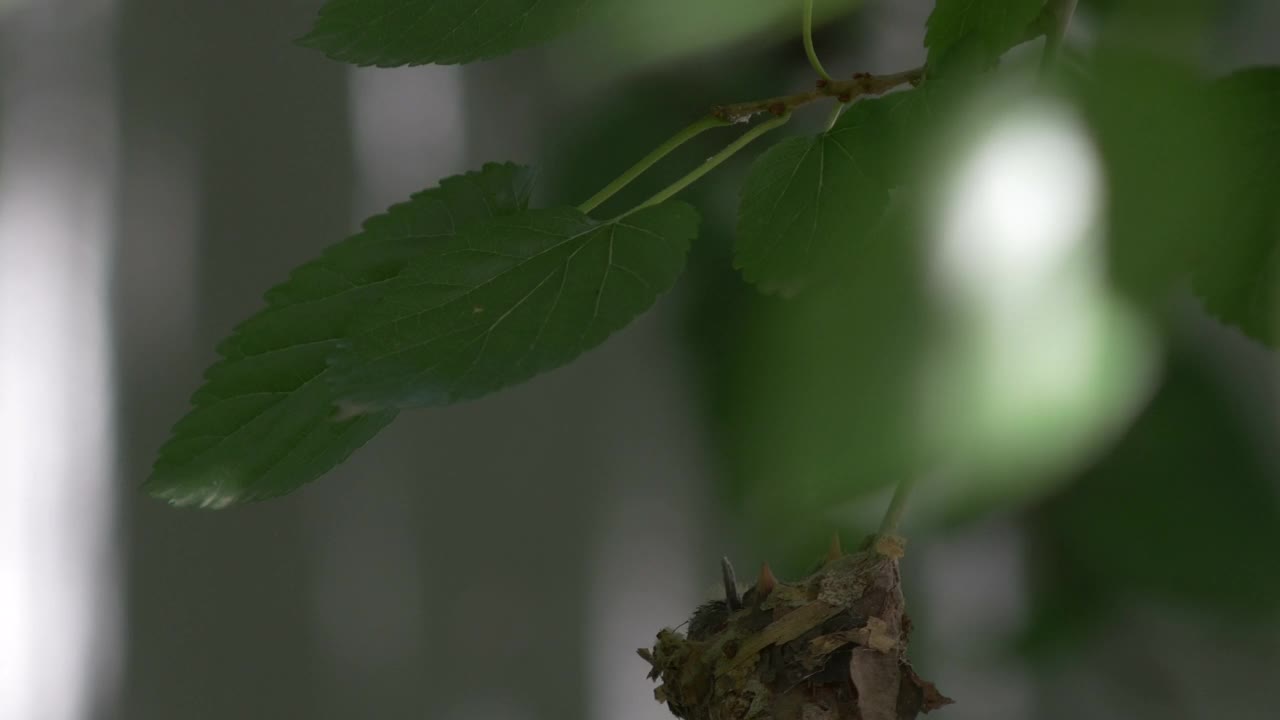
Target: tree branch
(843, 90)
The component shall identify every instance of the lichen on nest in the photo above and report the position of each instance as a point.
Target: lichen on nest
(832, 646)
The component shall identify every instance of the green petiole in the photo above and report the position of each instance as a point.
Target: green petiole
(649, 160)
(713, 162)
(835, 115)
(807, 30)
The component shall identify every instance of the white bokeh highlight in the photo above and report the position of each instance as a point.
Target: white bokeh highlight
(59, 594)
(1037, 361)
(1022, 205)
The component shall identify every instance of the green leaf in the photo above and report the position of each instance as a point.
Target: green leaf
(263, 423)
(990, 27)
(808, 200)
(390, 33)
(1162, 154)
(507, 299)
(1237, 269)
(626, 35)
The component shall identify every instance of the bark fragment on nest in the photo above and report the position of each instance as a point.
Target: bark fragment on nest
(831, 646)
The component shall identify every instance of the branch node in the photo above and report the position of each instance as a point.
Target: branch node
(845, 91)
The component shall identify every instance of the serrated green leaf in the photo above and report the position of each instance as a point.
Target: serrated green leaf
(808, 200)
(1237, 271)
(263, 424)
(507, 299)
(989, 26)
(390, 33)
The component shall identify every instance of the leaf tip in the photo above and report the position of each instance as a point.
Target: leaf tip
(215, 490)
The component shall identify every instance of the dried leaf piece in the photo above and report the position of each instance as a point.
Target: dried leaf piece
(877, 677)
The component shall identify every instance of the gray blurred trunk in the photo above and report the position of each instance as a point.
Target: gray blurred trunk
(236, 166)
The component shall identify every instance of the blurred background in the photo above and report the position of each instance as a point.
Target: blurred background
(1096, 531)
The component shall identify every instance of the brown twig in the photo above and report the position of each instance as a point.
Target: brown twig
(862, 84)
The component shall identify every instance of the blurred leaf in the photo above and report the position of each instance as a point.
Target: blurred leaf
(1192, 183)
(507, 299)
(917, 121)
(818, 410)
(1237, 267)
(1179, 30)
(1163, 157)
(1183, 511)
(818, 399)
(626, 34)
(1036, 363)
(881, 374)
(989, 26)
(263, 422)
(389, 33)
(808, 200)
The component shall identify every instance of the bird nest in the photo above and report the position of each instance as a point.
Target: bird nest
(832, 646)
